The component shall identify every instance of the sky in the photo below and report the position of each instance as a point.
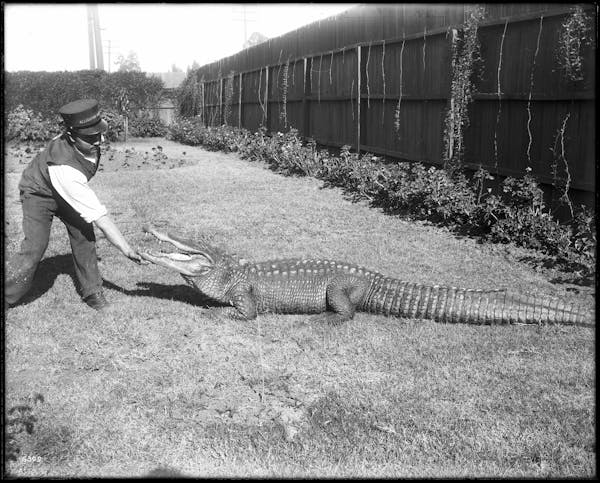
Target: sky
(54, 37)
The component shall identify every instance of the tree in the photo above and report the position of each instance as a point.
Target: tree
(255, 39)
(129, 63)
(174, 68)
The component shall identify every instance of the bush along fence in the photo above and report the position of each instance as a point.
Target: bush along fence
(33, 98)
(503, 90)
(513, 212)
(26, 126)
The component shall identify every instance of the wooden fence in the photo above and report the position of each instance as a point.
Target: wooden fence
(378, 78)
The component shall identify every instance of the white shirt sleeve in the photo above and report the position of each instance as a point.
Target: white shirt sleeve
(72, 185)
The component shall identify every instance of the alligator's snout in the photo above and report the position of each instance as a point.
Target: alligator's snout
(193, 265)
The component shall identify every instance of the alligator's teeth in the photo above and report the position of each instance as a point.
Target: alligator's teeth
(178, 256)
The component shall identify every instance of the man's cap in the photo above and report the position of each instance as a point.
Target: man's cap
(83, 115)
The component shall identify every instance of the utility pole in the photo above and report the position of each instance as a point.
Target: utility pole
(109, 48)
(245, 16)
(92, 51)
(98, 39)
(95, 38)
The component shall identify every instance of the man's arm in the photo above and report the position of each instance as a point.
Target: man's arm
(72, 185)
(113, 235)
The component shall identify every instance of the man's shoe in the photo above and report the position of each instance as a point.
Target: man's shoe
(97, 301)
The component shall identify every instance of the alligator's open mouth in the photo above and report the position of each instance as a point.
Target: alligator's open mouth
(195, 261)
(186, 264)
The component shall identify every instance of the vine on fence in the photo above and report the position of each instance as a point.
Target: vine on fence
(352, 99)
(228, 97)
(383, 77)
(202, 102)
(280, 65)
(558, 150)
(284, 89)
(499, 93)
(397, 113)
(319, 88)
(188, 96)
(214, 110)
(575, 33)
(424, 44)
(330, 67)
(367, 76)
(537, 49)
(263, 105)
(465, 54)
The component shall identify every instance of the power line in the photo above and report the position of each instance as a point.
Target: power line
(109, 49)
(246, 15)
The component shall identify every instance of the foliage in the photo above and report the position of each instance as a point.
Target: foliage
(228, 97)
(513, 213)
(189, 96)
(130, 63)
(574, 35)
(465, 57)
(116, 124)
(46, 92)
(146, 126)
(24, 125)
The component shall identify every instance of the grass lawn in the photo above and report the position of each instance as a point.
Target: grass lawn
(165, 385)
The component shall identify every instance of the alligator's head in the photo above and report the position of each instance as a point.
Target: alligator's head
(207, 268)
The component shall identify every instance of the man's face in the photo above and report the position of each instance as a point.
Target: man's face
(88, 143)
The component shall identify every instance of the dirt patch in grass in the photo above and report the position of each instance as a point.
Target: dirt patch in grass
(165, 384)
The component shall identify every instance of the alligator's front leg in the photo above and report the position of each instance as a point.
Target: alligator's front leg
(243, 304)
(344, 294)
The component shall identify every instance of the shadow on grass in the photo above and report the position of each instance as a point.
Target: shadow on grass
(47, 272)
(50, 268)
(177, 293)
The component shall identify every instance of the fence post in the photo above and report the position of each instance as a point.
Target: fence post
(240, 104)
(358, 97)
(203, 105)
(221, 102)
(266, 103)
(305, 93)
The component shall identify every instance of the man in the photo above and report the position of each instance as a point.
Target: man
(56, 183)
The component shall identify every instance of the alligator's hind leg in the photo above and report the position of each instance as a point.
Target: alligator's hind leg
(344, 293)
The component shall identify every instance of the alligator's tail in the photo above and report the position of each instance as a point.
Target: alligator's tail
(450, 304)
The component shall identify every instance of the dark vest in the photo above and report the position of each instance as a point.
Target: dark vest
(60, 151)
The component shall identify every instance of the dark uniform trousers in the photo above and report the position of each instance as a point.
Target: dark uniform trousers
(38, 213)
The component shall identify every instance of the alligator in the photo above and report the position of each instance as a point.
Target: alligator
(334, 291)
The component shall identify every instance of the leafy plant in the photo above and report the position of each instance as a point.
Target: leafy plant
(46, 92)
(465, 58)
(25, 125)
(146, 126)
(575, 34)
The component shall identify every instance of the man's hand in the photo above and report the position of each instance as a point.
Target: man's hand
(114, 236)
(135, 256)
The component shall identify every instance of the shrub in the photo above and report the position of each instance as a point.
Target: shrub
(145, 126)
(46, 92)
(26, 126)
(116, 124)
